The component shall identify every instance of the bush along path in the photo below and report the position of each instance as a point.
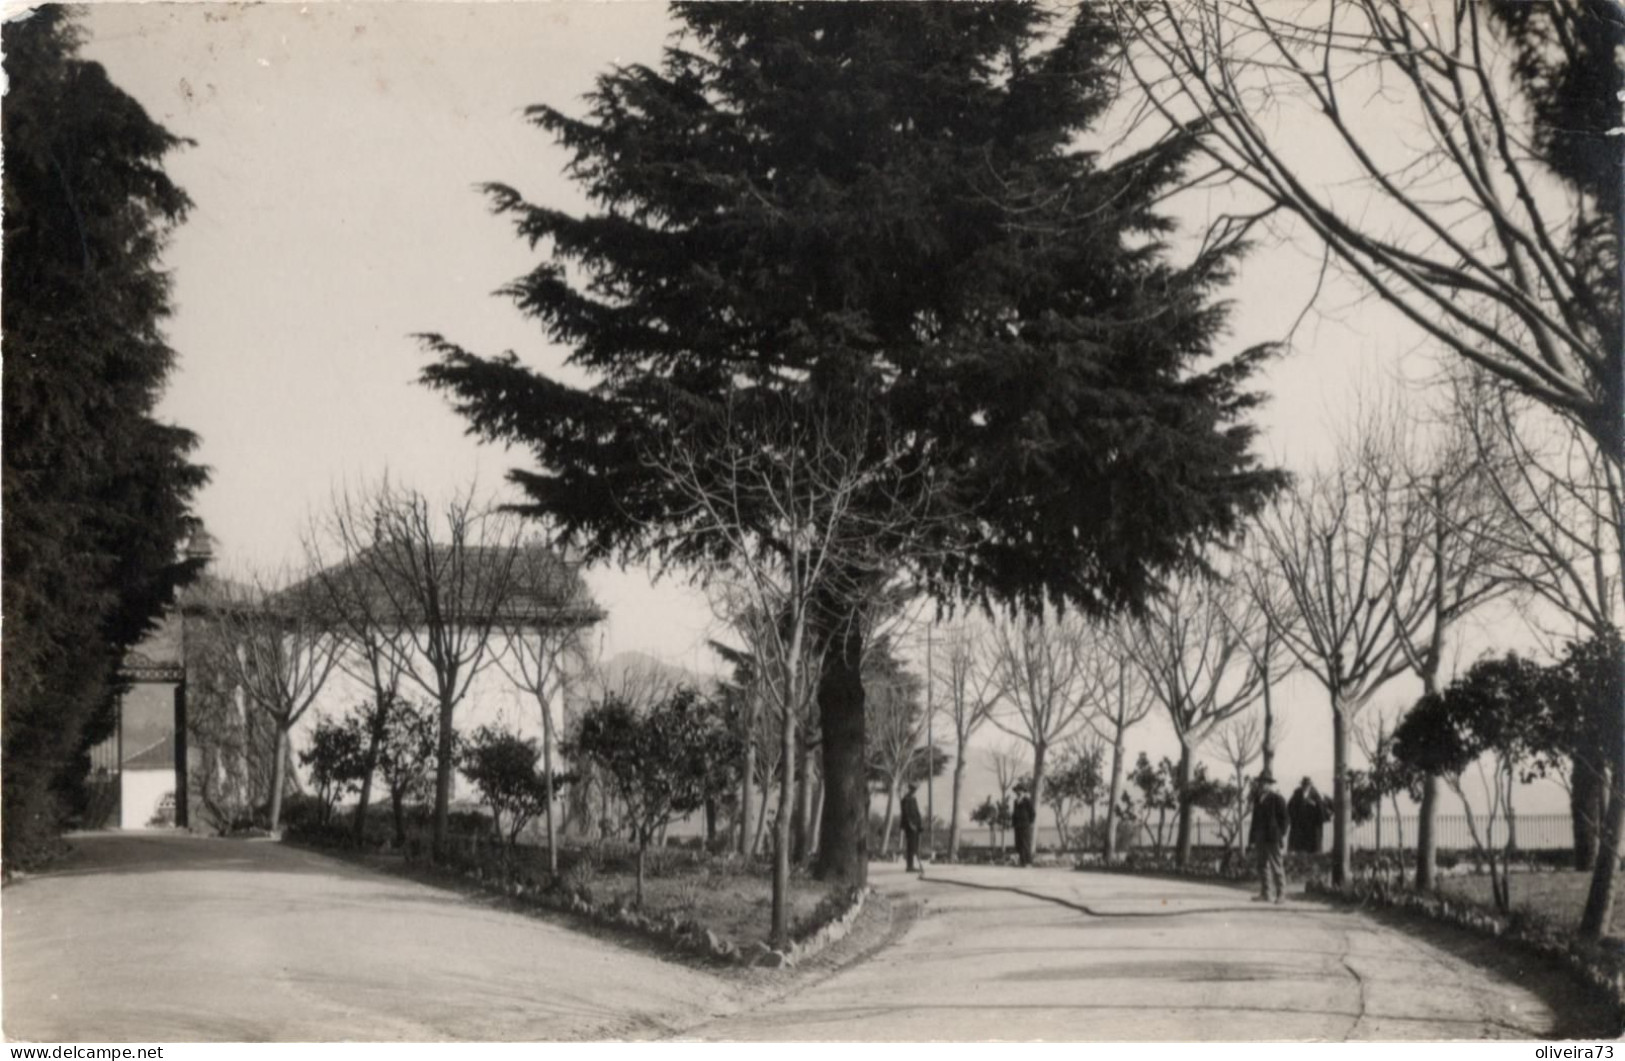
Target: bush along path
(715, 918)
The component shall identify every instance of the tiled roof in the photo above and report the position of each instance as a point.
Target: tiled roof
(548, 589)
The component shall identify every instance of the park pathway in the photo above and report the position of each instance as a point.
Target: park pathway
(1013, 954)
(161, 937)
(142, 938)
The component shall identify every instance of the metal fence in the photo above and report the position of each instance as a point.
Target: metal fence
(1530, 832)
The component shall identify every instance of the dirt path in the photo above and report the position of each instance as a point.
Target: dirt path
(1014, 954)
(169, 938)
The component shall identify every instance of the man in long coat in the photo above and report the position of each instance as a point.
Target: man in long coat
(1024, 817)
(913, 823)
(1307, 810)
(1268, 837)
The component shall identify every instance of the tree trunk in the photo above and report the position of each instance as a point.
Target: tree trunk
(1599, 908)
(817, 817)
(959, 785)
(279, 777)
(547, 766)
(1115, 794)
(786, 815)
(1586, 794)
(443, 768)
(1427, 837)
(1040, 753)
(643, 846)
(1182, 849)
(1427, 823)
(885, 828)
(843, 840)
(1340, 796)
(803, 818)
(397, 806)
(761, 826)
(375, 740)
(747, 795)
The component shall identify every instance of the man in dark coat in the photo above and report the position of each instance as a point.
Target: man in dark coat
(1308, 811)
(1023, 817)
(1268, 835)
(912, 825)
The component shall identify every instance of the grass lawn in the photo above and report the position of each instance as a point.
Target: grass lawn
(1557, 897)
(727, 895)
(732, 900)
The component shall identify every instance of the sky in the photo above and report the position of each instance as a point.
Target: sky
(337, 215)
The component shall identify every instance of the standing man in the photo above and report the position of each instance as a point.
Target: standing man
(1268, 834)
(1307, 811)
(1023, 818)
(912, 824)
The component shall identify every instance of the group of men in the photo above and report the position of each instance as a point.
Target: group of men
(1279, 825)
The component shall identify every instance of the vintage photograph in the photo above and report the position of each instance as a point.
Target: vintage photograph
(907, 521)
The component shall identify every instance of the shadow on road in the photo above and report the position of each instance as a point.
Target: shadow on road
(1582, 1013)
(1253, 908)
(119, 854)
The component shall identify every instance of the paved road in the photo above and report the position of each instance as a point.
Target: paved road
(170, 938)
(1003, 953)
(166, 938)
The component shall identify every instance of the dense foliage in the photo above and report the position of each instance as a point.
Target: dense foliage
(886, 205)
(662, 762)
(504, 766)
(95, 489)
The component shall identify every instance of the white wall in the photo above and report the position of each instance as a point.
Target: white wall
(139, 794)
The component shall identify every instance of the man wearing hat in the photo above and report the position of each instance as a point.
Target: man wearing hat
(1268, 834)
(912, 824)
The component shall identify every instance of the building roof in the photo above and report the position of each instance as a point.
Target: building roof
(537, 588)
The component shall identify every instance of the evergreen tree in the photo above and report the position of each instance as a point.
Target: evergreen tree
(883, 203)
(95, 490)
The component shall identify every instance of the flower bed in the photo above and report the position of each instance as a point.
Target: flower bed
(695, 904)
(1600, 967)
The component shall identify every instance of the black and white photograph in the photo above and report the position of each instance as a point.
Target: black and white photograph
(879, 521)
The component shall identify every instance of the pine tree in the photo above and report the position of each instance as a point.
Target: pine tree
(96, 490)
(887, 203)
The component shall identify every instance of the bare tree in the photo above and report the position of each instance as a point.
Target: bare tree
(1241, 742)
(1272, 604)
(1558, 531)
(965, 683)
(1561, 517)
(543, 630)
(1460, 226)
(446, 575)
(1041, 673)
(1192, 647)
(1354, 600)
(1375, 736)
(1454, 224)
(784, 499)
(1441, 542)
(896, 725)
(337, 546)
(1006, 763)
(279, 646)
(1125, 701)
